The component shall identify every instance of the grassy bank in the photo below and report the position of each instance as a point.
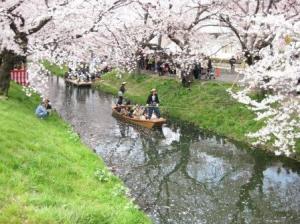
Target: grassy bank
(206, 104)
(48, 176)
(55, 69)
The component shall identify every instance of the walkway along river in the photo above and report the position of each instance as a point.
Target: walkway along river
(180, 174)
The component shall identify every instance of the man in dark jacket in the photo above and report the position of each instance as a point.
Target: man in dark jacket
(122, 88)
(209, 65)
(153, 103)
(197, 70)
(232, 62)
(121, 96)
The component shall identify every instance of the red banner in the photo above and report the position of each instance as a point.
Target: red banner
(218, 72)
(20, 76)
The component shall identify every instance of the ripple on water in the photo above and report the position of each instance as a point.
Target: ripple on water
(182, 175)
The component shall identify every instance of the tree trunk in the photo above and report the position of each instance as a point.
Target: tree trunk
(249, 58)
(159, 41)
(137, 67)
(4, 81)
(8, 59)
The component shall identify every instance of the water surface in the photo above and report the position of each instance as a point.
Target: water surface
(179, 174)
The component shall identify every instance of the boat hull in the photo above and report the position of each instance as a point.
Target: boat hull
(144, 123)
(76, 83)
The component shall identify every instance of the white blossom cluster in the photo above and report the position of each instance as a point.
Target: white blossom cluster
(277, 76)
(118, 33)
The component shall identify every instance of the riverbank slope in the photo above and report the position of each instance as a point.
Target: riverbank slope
(206, 104)
(55, 69)
(48, 176)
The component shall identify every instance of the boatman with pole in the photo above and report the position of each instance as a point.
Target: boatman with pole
(122, 88)
(121, 93)
(152, 104)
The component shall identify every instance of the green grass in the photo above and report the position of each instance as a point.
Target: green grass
(55, 69)
(48, 176)
(206, 104)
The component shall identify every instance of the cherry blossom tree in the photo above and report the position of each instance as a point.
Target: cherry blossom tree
(277, 75)
(119, 32)
(182, 24)
(59, 30)
(128, 37)
(246, 20)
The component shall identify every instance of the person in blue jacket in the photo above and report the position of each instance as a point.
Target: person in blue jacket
(41, 111)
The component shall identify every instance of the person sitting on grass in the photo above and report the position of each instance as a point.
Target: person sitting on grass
(48, 105)
(41, 111)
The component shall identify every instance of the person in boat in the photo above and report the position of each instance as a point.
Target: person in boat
(122, 88)
(129, 108)
(120, 95)
(137, 112)
(125, 109)
(152, 104)
(119, 101)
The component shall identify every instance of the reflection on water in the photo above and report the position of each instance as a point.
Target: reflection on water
(181, 175)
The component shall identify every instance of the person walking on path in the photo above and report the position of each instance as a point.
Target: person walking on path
(232, 62)
(209, 66)
(153, 103)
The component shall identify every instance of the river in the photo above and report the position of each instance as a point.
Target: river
(180, 174)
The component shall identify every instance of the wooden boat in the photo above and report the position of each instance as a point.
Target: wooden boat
(76, 82)
(144, 123)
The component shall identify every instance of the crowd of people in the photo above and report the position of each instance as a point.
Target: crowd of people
(159, 64)
(151, 110)
(163, 65)
(83, 73)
